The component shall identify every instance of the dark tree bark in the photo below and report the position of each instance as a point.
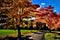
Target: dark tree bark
(19, 32)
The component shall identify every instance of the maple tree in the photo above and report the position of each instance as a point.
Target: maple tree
(48, 16)
(17, 10)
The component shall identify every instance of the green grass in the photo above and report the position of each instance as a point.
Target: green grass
(48, 36)
(8, 32)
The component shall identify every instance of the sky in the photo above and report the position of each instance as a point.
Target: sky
(54, 3)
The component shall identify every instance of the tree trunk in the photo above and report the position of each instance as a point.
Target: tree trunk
(19, 32)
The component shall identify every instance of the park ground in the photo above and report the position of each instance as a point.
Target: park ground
(14, 33)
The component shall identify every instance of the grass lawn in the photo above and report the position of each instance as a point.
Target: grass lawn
(8, 32)
(48, 36)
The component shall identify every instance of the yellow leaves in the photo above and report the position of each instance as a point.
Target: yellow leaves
(25, 9)
(29, 24)
(15, 25)
(11, 20)
(9, 15)
(24, 25)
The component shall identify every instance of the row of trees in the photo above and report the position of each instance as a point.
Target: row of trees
(21, 11)
(48, 16)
